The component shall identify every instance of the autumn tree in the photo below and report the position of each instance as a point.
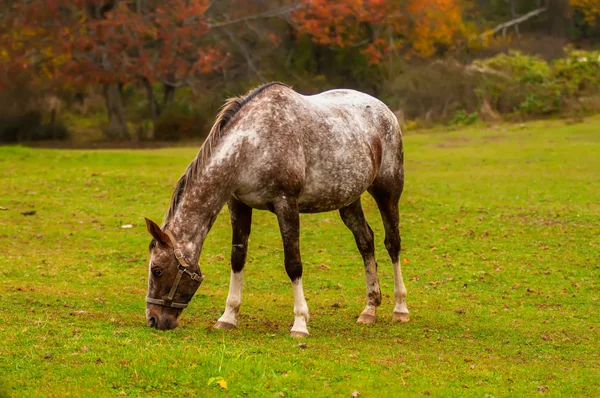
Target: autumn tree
(414, 27)
(111, 43)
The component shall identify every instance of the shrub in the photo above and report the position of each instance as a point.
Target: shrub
(518, 83)
(174, 125)
(28, 126)
(579, 72)
(27, 115)
(435, 91)
(463, 118)
(511, 84)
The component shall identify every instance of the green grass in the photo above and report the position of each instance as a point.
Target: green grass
(501, 239)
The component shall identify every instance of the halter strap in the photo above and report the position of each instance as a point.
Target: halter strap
(182, 267)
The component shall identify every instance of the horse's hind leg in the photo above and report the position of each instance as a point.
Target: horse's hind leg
(354, 219)
(286, 209)
(241, 221)
(388, 207)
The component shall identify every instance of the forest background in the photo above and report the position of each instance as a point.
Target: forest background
(148, 70)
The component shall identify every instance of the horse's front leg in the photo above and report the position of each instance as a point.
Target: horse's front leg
(288, 217)
(241, 221)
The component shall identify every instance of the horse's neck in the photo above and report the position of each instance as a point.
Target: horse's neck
(206, 194)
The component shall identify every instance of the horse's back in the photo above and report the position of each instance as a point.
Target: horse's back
(327, 148)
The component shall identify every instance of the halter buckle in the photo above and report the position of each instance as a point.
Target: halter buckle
(179, 256)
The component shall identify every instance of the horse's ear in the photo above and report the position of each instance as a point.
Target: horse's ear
(157, 233)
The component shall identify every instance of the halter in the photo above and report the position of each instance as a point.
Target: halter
(182, 267)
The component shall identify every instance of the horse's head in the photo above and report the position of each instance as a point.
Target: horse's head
(172, 280)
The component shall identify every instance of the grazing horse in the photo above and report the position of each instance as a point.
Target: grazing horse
(277, 150)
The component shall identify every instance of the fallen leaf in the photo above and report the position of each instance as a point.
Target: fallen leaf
(302, 345)
(542, 388)
(217, 381)
(355, 394)
(49, 355)
(3, 208)
(28, 213)
(222, 383)
(127, 226)
(323, 266)
(405, 260)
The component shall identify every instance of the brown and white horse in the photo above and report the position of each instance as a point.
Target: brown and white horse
(277, 150)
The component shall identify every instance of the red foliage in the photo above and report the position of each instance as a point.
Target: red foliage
(384, 25)
(72, 44)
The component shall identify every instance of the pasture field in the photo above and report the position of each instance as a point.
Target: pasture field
(501, 258)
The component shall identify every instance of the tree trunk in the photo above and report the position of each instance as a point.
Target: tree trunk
(560, 23)
(168, 95)
(153, 104)
(117, 125)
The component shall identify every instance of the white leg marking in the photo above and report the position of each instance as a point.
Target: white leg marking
(400, 309)
(300, 310)
(369, 314)
(234, 298)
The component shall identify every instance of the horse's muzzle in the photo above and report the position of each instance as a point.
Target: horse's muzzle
(163, 323)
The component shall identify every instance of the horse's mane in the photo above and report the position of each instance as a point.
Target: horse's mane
(226, 113)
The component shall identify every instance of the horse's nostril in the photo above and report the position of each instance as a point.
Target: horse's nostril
(152, 322)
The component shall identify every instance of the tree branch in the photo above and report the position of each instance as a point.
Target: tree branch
(266, 14)
(516, 21)
(244, 50)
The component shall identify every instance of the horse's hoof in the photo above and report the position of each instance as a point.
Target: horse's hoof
(401, 317)
(298, 334)
(367, 319)
(224, 325)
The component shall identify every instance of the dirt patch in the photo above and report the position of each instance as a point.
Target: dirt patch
(453, 142)
(494, 138)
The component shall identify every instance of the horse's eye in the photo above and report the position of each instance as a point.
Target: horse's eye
(157, 272)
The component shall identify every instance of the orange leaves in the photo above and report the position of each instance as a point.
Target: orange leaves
(589, 8)
(379, 25)
(435, 22)
(375, 51)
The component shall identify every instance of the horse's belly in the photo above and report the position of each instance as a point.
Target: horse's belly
(334, 188)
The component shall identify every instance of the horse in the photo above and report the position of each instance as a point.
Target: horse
(277, 150)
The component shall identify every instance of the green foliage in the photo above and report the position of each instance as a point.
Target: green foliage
(499, 232)
(512, 84)
(464, 118)
(578, 72)
(526, 69)
(518, 83)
